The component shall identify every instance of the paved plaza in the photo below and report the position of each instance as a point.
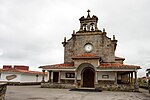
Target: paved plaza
(37, 93)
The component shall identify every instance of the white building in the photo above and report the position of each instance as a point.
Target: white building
(20, 74)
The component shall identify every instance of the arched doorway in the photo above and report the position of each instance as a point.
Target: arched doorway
(88, 77)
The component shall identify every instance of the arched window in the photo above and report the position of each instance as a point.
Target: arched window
(92, 27)
(84, 27)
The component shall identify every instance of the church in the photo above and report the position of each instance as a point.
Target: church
(90, 62)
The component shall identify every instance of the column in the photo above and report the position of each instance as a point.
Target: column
(75, 80)
(129, 78)
(43, 77)
(135, 73)
(136, 88)
(52, 76)
(96, 77)
(59, 77)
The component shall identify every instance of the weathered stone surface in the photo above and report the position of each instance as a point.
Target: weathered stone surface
(98, 87)
(102, 46)
(3, 87)
(115, 87)
(57, 85)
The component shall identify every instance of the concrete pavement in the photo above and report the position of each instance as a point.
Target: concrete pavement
(37, 93)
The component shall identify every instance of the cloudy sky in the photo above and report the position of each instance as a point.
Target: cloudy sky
(31, 31)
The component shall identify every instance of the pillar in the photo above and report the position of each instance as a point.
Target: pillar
(43, 77)
(75, 80)
(96, 77)
(52, 76)
(59, 77)
(135, 73)
(129, 79)
(115, 77)
(136, 88)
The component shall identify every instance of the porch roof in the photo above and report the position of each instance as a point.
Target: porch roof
(117, 66)
(59, 66)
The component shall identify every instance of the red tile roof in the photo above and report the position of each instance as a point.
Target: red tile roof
(20, 71)
(59, 66)
(117, 66)
(86, 55)
(101, 66)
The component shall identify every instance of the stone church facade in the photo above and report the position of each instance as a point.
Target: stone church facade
(90, 61)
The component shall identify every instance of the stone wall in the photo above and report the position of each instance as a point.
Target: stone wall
(100, 87)
(65, 81)
(57, 85)
(115, 87)
(3, 88)
(102, 46)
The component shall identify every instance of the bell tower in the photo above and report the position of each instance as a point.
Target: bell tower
(88, 24)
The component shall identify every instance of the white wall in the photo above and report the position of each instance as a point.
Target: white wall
(30, 78)
(22, 77)
(110, 74)
(17, 79)
(100, 74)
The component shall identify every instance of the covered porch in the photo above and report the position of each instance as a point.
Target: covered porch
(118, 78)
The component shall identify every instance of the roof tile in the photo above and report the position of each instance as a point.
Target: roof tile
(21, 71)
(117, 66)
(58, 66)
(86, 55)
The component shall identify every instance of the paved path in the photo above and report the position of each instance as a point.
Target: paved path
(37, 93)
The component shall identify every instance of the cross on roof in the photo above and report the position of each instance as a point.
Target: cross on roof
(88, 13)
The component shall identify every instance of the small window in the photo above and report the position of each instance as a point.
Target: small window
(105, 76)
(70, 75)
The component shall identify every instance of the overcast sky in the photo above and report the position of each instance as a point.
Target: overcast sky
(31, 31)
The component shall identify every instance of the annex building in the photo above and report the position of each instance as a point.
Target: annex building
(20, 74)
(90, 61)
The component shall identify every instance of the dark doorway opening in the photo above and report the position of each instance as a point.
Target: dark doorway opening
(88, 78)
(55, 76)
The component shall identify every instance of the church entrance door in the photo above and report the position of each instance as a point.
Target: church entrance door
(88, 77)
(55, 76)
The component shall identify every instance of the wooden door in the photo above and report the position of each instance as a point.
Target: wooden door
(88, 78)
